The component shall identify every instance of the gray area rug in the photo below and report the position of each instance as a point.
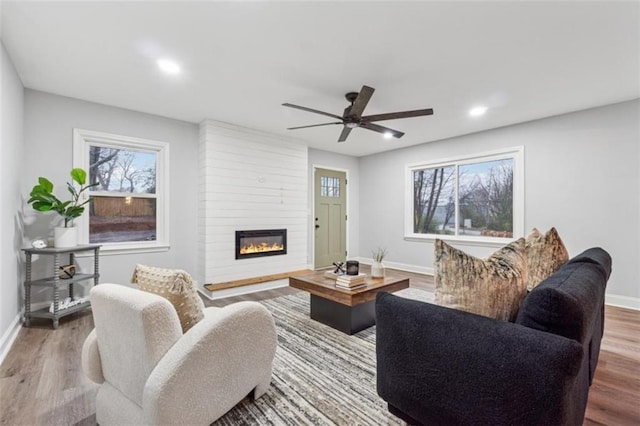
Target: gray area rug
(321, 376)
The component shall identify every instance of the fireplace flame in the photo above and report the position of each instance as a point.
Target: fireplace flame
(261, 248)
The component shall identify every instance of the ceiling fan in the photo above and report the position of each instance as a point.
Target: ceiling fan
(352, 116)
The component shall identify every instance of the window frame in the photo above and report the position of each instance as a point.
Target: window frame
(515, 153)
(82, 141)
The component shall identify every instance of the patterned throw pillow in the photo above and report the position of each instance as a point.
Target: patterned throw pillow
(177, 287)
(545, 255)
(494, 287)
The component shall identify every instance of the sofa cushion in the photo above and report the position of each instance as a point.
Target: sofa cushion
(177, 287)
(567, 303)
(545, 254)
(493, 287)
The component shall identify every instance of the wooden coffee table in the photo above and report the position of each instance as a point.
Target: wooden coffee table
(349, 311)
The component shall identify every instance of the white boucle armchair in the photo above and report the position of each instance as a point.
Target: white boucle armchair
(152, 374)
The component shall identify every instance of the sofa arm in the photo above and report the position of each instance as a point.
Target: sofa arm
(90, 358)
(442, 366)
(213, 366)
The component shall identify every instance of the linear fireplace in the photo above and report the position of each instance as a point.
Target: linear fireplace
(262, 242)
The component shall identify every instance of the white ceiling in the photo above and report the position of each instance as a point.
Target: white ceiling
(242, 60)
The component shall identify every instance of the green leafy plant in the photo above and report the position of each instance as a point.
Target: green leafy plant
(43, 200)
(379, 254)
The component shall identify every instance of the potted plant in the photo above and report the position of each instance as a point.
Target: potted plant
(42, 199)
(377, 268)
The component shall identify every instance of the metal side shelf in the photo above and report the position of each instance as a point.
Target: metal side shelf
(56, 283)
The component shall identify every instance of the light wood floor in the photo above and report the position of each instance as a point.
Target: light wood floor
(41, 382)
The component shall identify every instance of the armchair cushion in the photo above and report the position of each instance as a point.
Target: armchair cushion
(177, 287)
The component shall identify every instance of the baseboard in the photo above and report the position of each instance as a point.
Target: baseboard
(400, 266)
(10, 336)
(622, 301)
(238, 291)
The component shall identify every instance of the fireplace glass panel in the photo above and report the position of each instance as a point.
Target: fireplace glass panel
(257, 243)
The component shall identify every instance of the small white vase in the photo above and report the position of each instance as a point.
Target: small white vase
(65, 237)
(377, 270)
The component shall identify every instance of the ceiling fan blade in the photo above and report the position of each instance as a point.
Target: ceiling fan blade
(361, 101)
(312, 110)
(313, 125)
(381, 129)
(394, 115)
(344, 134)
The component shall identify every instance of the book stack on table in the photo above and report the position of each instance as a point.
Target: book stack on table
(351, 282)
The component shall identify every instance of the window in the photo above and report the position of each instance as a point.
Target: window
(129, 208)
(474, 198)
(329, 186)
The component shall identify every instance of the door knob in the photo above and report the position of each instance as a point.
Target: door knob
(317, 226)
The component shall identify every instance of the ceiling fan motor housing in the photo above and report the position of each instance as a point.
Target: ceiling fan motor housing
(353, 118)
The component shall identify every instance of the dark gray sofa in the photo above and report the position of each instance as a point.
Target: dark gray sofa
(439, 366)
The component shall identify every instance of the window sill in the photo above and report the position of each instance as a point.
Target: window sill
(462, 241)
(118, 249)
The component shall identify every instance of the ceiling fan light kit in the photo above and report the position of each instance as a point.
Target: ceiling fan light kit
(352, 116)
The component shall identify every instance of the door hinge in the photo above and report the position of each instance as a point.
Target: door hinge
(345, 217)
(345, 252)
(346, 182)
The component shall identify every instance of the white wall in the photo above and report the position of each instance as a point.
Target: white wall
(581, 176)
(249, 180)
(331, 160)
(49, 123)
(11, 163)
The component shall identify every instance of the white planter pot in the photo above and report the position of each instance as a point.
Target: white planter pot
(65, 237)
(377, 270)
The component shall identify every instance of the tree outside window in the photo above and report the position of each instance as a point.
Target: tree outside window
(472, 198)
(434, 200)
(124, 201)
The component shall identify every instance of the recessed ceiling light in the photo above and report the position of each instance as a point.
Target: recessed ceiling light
(168, 66)
(478, 111)
(388, 135)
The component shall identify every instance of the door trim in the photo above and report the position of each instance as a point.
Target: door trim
(314, 167)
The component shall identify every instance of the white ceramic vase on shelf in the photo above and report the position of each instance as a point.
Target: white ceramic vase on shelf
(65, 237)
(377, 270)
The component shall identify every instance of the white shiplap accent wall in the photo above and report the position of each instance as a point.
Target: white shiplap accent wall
(249, 180)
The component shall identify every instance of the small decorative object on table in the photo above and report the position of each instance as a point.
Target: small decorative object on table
(353, 267)
(339, 268)
(39, 244)
(377, 268)
(67, 271)
(68, 303)
(351, 282)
